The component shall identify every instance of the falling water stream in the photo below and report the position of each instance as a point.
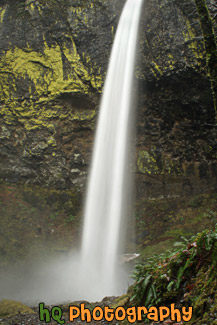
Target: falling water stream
(107, 183)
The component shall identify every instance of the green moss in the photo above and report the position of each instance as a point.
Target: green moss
(11, 308)
(161, 222)
(121, 301)
(177, 233)
(156, 249)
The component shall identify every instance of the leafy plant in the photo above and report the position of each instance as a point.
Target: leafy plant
(173, 276)
(70, 219)
(53, 215)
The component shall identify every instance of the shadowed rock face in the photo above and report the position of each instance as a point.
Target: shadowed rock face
(54, 56)
(176, 125)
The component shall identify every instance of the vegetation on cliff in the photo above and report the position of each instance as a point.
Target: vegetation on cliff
(36, 221)
(187, 276)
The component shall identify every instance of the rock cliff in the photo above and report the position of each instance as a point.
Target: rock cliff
(54, 56)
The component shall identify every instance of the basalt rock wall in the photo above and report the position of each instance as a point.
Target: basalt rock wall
(177, 123)
(54, 56)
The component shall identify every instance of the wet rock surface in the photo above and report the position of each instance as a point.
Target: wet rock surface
(53, 60)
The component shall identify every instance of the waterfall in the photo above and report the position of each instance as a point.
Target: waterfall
(106, 197)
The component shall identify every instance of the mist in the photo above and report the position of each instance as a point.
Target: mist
(58, 279)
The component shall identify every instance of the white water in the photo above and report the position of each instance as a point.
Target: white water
(107, 184)
(96, 273)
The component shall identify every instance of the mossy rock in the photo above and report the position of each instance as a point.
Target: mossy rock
(11, 307)
(121, 301)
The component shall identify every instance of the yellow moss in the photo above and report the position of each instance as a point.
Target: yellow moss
(79, 9)
(51, 141)
(32, 7)
(157, 68)
(76, 10)
(63, 116)
(81, 73)
(8, 114)
(82, 116)
(191, 33)
(47, 81)
(39, 9)
(154, 73)
(2, 13)
(85, 19)
(146, 163)
(171, 166)
(36, 123)
(82, 14)
(190, 39)
(46, 71)
(171, 61)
